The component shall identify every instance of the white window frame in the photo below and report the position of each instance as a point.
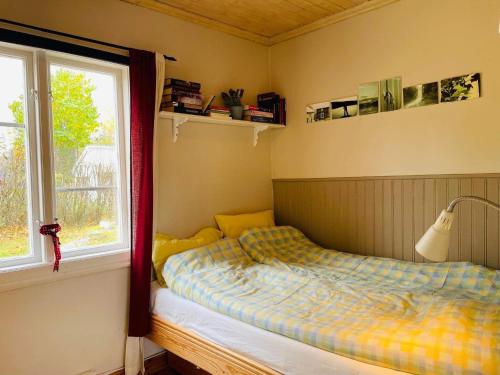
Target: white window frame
(32, 156)
(41, 167)
(122, 204)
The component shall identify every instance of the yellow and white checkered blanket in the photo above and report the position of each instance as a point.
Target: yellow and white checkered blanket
(430, 318)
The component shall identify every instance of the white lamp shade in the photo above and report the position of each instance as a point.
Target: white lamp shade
(435, 242)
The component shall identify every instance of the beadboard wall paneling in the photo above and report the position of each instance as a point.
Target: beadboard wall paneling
(386, 216)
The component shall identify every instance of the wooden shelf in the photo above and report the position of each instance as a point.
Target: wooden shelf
(179, 119)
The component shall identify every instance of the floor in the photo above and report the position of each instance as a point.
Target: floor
(170, 364)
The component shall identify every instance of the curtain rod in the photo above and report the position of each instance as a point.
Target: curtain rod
(170, 58)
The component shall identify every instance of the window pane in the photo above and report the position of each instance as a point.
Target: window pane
(85, 157)
(11, 90)
(88, 218)
(14, 202)
(14, 237)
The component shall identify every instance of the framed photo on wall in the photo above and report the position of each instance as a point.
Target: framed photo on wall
(345, 107)
(421, 95)
(390, 94)
(318, 112)
(368, 98)
(461, 88)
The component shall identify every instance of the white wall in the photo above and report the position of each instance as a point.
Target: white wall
(66, 327)
(80, 324)
(420, 40)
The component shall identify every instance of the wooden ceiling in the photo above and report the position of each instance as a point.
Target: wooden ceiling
(263, 21)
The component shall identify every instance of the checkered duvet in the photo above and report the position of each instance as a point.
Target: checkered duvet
(430, 318)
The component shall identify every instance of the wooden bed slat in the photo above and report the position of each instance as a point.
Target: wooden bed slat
(207, 355)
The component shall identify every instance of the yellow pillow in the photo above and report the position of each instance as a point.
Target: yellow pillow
(233, 225)
(166, 245)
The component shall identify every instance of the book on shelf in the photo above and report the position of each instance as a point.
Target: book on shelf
(253, 107)
(272, 102)
(176, 96)
(267, 120)
(188, 111)
(207, 105)
(219, 111)
(181, 105)
(219, 108)
(215, 113)
(177, 107)
(220, 115)
(182, 99)
(180, 83)
(282, 108)
(181, 96)
(254, 112)
(180, 91)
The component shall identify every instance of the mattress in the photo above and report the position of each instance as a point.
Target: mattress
(278, 352)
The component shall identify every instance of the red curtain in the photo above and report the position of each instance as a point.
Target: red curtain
(142, 100)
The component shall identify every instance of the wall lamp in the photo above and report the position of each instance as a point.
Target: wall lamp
(435, 242)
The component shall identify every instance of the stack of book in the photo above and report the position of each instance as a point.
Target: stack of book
(256, 114)
(182, 97)
(220, 112)
(273, 103)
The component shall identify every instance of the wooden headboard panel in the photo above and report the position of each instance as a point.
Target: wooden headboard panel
(386, 216)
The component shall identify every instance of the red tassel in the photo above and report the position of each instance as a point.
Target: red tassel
(51, 230)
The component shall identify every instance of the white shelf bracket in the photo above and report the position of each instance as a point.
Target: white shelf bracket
(256, 130)
(176, 124)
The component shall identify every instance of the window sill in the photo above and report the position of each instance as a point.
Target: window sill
(41, 273)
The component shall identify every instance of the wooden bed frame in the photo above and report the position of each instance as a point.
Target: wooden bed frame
(209, 356)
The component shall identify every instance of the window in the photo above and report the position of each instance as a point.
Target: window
(63, 153)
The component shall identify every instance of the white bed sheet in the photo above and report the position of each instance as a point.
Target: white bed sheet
(278, 352)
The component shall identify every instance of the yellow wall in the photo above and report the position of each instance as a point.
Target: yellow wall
(420, 40)
(210, 170)
(79, 324)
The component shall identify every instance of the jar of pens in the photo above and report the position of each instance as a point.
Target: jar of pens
(232, 99)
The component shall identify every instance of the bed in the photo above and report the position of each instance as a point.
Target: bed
(274, 302)
(277, 353)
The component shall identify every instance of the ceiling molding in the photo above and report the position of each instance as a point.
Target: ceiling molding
(254, 37)
(330, 20)
(199, 20)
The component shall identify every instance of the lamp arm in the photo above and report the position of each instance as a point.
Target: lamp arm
(487, 202)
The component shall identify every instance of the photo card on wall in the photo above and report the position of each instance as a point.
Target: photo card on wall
(421, 95)
(390, 94)
(461, 88)
(368, 98)
(345, 107)
(318, 112)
